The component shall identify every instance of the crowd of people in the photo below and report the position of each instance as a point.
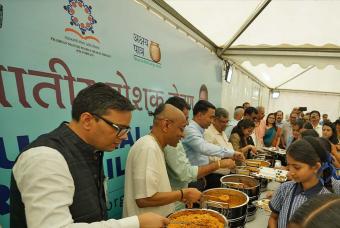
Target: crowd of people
(58, 180)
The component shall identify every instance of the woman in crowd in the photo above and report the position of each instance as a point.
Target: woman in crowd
(272, 133)
(305, 157)
(329, 132)
(318, 212)
(240, 137)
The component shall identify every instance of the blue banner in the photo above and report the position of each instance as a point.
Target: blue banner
(50, 50)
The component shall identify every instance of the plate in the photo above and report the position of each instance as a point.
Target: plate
(277, 175)
(275, 150)
(263, 204)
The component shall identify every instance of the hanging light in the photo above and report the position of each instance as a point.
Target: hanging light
(275, 94)
(228, 71)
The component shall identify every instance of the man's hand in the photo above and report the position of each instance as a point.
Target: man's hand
(238, 156)
(227, 163)
(152, 220)
(191, 195)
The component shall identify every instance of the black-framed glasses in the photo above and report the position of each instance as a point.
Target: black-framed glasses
(121, 130)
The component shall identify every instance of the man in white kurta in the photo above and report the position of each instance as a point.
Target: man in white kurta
(145, 175)
(147, 185)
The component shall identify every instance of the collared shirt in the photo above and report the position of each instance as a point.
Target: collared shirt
(180, 171)
(42, 174)
(289, 197)
(213, 136)
(145, 175)
(231, 124)
(197, 149)
(318, 129)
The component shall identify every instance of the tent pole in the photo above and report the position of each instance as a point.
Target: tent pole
(244, 26)
(284, 51)
(310, 92)
(296, 76)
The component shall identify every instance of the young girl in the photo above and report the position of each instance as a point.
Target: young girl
(304, 157)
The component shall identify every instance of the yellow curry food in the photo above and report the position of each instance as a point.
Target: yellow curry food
(195, 221)
(225, 196)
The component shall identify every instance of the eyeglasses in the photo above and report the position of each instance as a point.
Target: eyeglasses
(121, 130)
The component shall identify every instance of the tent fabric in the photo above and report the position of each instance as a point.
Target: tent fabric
(294, 22)
(290, 44)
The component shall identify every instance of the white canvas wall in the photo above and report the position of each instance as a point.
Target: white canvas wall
(324, 103)
(242, 89)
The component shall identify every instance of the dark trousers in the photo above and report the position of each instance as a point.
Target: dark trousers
(213, 180)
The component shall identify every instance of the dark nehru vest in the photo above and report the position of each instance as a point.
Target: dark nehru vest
(86, 168)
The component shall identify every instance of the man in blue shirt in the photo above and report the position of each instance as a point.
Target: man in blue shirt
(196, 148)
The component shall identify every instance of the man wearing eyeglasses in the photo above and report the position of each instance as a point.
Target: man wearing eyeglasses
(215, 134)
(58, 180)
(147, 185)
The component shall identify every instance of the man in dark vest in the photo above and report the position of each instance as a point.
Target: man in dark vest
(58, 180)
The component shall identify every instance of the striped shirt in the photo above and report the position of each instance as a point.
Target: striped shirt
(289, 197)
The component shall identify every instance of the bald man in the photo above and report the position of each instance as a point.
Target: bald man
(147, 186)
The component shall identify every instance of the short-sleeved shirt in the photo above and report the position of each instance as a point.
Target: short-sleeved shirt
(145, 175)
(289, 197)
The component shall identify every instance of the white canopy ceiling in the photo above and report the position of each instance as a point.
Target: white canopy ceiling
(286, 44)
